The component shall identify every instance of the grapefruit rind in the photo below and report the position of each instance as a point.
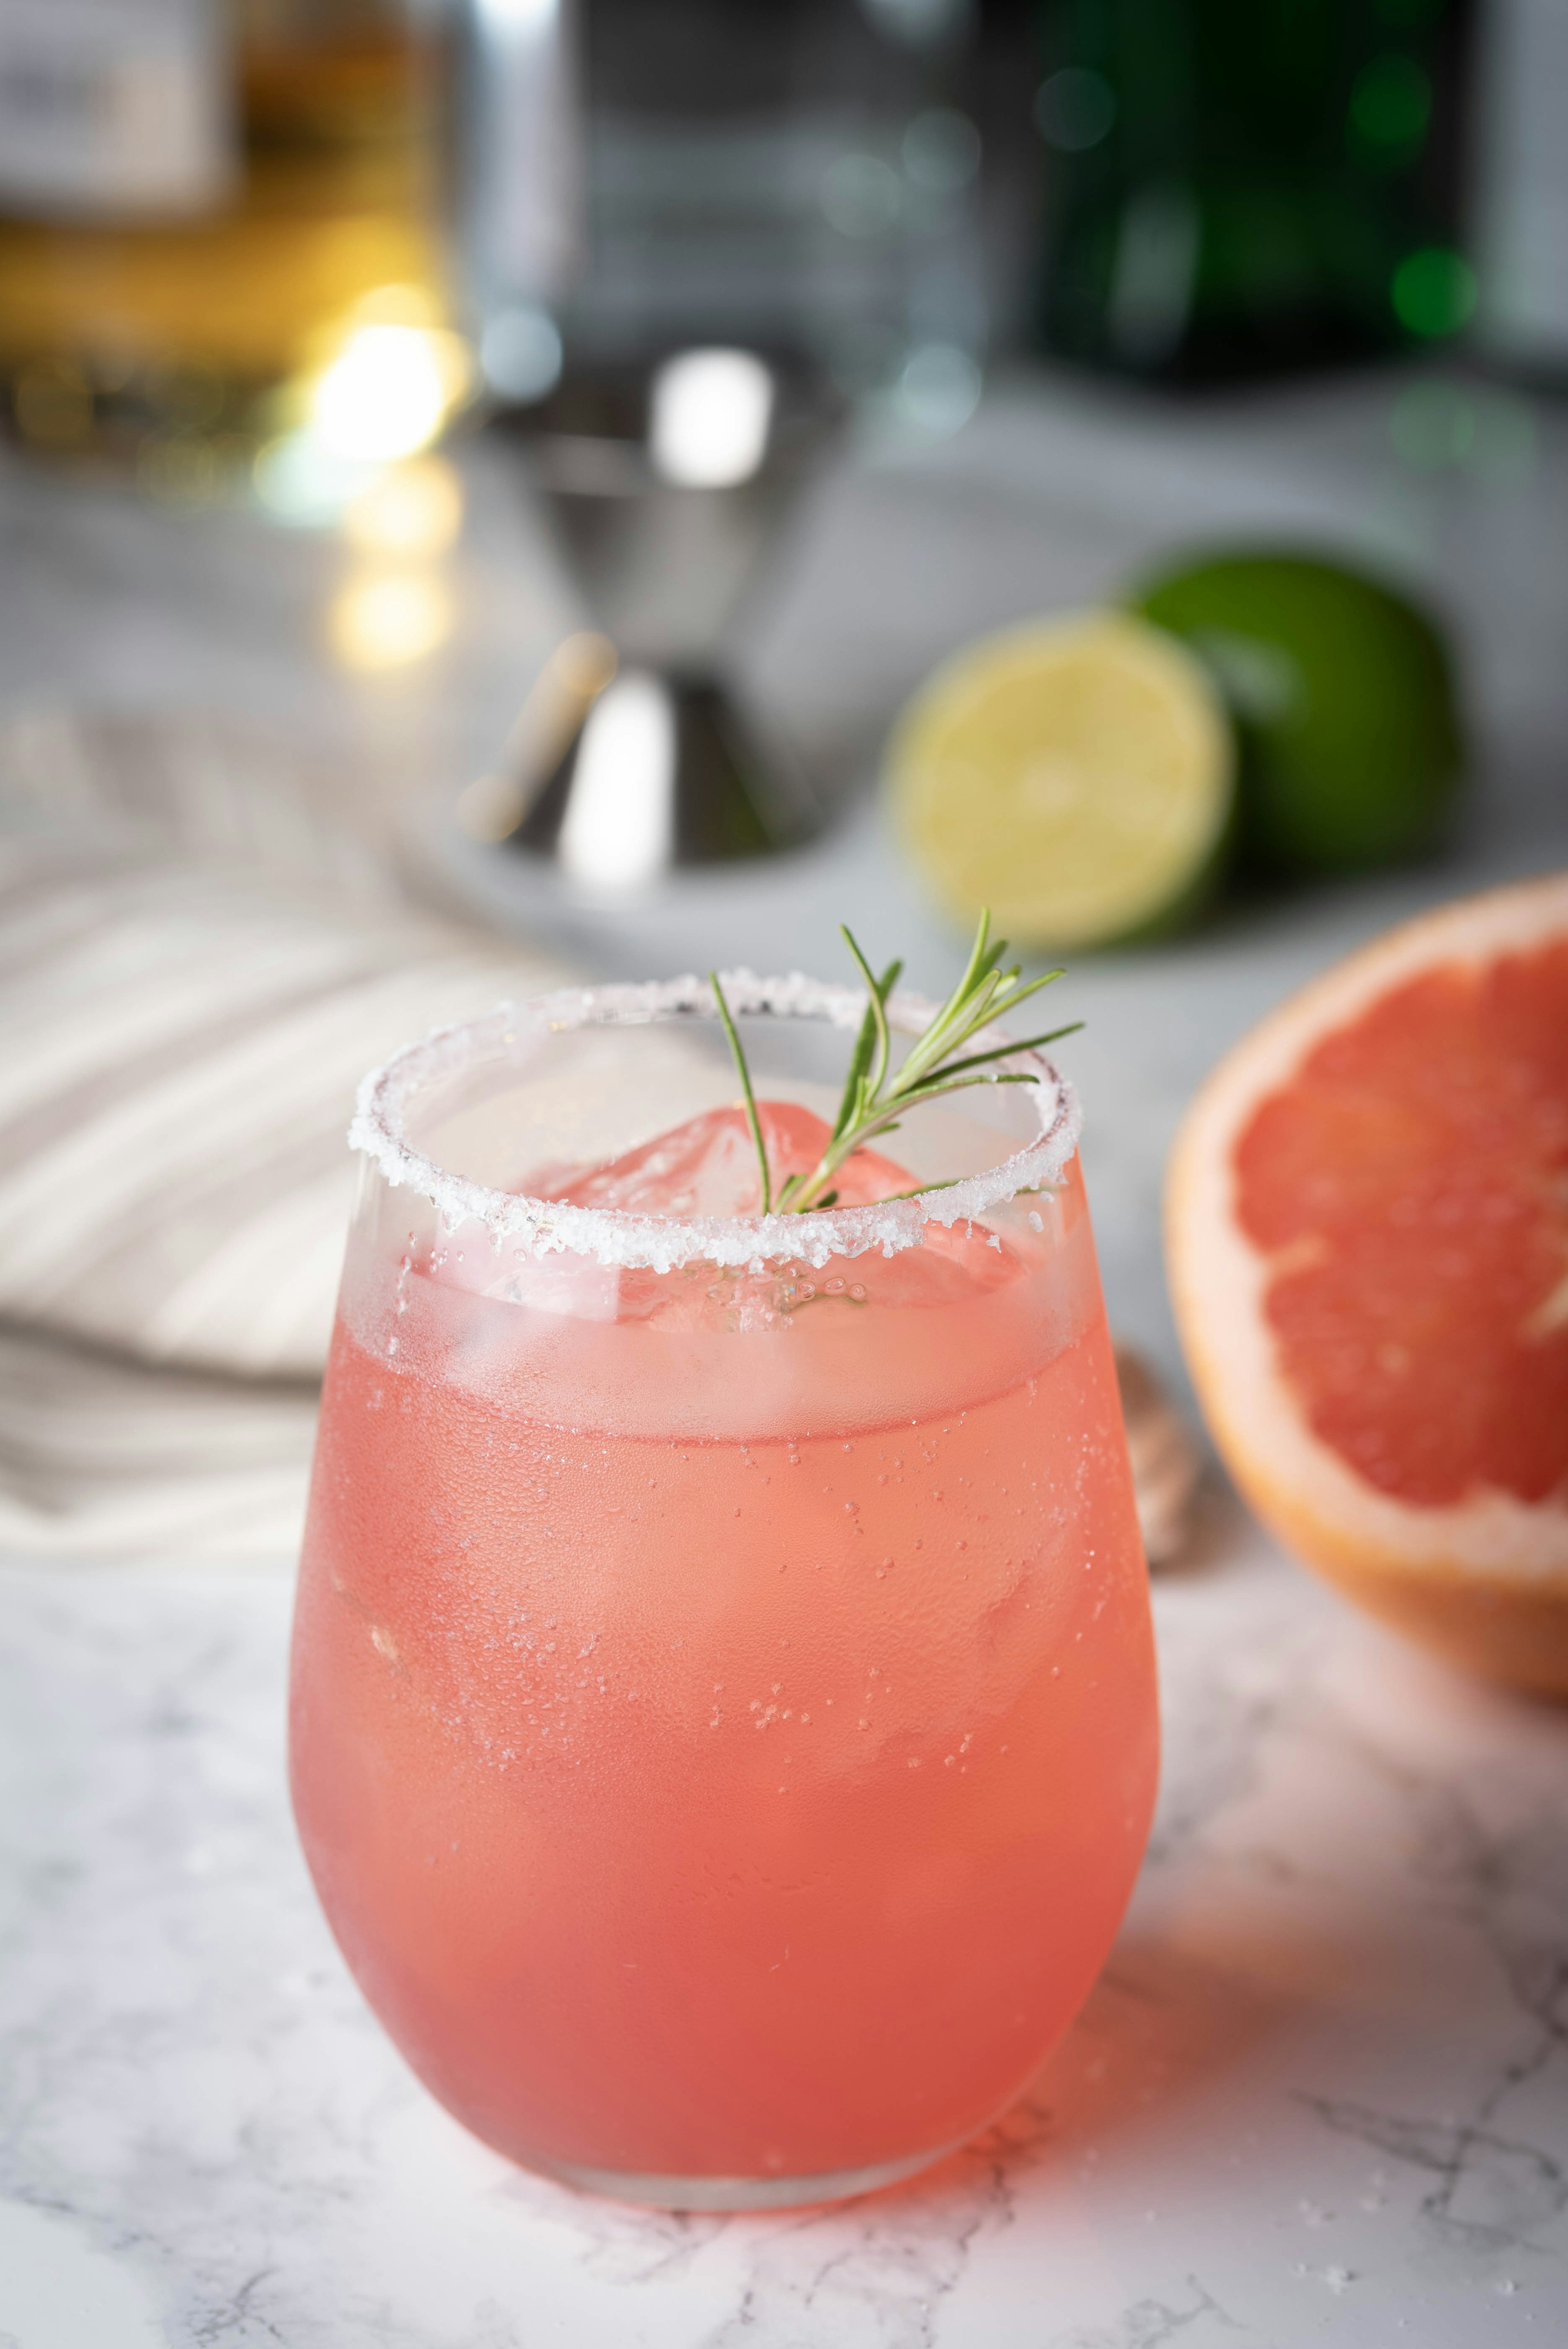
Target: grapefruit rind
(1487, 1579)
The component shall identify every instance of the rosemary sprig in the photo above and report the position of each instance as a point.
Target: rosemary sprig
(875, 1097)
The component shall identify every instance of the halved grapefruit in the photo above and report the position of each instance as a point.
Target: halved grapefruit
(1367, 1239)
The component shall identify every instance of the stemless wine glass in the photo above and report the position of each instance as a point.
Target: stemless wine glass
(722, 1721)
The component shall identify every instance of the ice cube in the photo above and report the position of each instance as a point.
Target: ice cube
(708, 1167)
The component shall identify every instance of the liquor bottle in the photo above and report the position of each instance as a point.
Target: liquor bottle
(197, 199)
(1239, 186)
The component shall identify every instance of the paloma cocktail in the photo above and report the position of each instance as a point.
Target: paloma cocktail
(723, 1720)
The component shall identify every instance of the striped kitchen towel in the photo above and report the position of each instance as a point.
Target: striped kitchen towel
(197, 965)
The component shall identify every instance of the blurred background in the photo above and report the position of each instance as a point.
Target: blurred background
(512, 468)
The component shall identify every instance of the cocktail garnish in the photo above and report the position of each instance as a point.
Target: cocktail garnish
(875, 1095)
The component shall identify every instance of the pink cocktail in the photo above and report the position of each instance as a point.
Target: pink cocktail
(723, 1719)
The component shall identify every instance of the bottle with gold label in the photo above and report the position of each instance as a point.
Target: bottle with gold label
(202, 203)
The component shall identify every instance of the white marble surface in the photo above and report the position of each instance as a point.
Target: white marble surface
(1321, 2094)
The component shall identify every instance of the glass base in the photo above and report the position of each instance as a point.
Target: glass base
(739, 2193)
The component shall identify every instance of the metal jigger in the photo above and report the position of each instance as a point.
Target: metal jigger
(633, 758)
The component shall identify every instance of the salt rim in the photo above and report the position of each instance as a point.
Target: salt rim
(613, 1236)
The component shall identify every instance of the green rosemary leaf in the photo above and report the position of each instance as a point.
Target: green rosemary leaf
(1009, 1003)
(885, 985)
(1006, 1051)
(934, 1088)
(875, 1097)
(928, 1047)
(874, 1012)
(860, 1060)
(982, 1019)
(937, 1085)
(752, 1119)
(920, 1189)
(978, 961)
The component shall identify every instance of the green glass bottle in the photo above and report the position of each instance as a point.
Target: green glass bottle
(1241, 187)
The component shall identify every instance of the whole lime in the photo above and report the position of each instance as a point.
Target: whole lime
(1344, 699)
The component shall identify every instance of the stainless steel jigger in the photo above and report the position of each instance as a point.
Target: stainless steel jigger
(633, 758)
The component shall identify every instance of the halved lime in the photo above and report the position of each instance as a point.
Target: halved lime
(1074, 775)
(1344, 701)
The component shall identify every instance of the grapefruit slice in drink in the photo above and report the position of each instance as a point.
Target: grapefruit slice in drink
(1367, 1239)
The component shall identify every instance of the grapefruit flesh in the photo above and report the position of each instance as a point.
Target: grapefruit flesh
(1368, 1244)
(1418, 1168)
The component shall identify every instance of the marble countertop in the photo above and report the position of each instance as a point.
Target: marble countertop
(1321, 2094)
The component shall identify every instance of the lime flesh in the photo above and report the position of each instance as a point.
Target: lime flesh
(1075, 776)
